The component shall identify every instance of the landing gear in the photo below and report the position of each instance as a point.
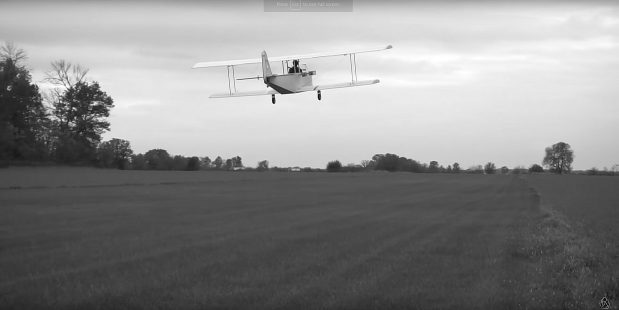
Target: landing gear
(273, 98)
(319, 95)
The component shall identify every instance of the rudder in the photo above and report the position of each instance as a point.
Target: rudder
(266, 67)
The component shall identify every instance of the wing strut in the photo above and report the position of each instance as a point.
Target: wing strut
(233, 79)
(229, 89)
(233, 85)
(353, 67)
(354, 56)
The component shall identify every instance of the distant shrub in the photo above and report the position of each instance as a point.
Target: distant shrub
(504, 170)
(352, 168)
(536, 168)
(279, 169)
(456, 168)
(263, 165)
(334, 166)
(193, 164)
(137, 162)
(393, 162)
(559, 158)
(179, 163)
(490, 168)
(433, 168)
(115, 153)
(520, 170)
(158, 159)
(596, 171)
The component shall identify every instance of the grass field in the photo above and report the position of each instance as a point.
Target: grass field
(87, 238)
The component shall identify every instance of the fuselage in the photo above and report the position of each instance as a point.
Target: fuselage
(290, 83)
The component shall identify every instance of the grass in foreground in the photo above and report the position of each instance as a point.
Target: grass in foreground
(268, 241)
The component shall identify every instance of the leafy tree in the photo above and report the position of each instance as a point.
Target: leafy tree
(7, 143)
(387, 162)
(229, 164)
(193, 164)
(179, 163)
(81, 113)
(205, 163)
(114, 153)
(138, 162)
(433, 168)
(23, 119)
(559, 158)
(263, 165)
(80, 110)
(237, 161)
(105, 155)
(218, 162)
(489, 168)
(504, 170)
(334, 166)
(407, 164)
(366, 164)
(392, 162)
(158, 159)
(456, 168)
(536, 168)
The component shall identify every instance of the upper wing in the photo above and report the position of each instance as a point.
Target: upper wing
(245, 94)
(283, 58)
(227, 63)
(317, 55)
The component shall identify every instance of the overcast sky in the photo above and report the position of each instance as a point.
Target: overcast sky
(466, 82)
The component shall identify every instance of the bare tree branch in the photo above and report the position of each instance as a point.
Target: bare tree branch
(9, 51)
(66, 74)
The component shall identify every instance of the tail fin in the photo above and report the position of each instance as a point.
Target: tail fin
(266, 67)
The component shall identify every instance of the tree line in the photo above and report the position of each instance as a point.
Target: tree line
(117, 153)
(558, 159)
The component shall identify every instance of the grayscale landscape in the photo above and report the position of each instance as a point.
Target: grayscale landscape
(339, 154)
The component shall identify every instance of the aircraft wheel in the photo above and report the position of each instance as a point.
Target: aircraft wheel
(319, 95)
(273, 99)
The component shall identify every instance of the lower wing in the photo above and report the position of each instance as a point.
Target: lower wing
(343, 85)
(245, 93)
(311, 88)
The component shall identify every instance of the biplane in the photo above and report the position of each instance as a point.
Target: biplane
(294, 79)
